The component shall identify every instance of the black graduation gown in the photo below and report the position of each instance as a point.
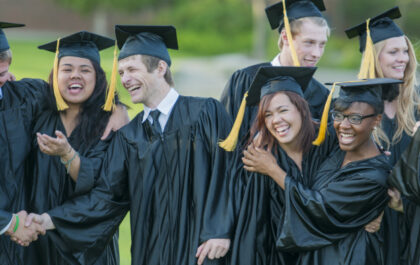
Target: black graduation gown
(316, 94)
(405, 177)
(20, 103)
(172, 183)
(258, 204)
(393, 224)
(49, 185)
(325, 221)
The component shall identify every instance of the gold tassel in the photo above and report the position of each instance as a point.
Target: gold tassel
(324, 119)
(367, 69)
(289, 36)
(229, 144)
(61, 104)
(109, 102)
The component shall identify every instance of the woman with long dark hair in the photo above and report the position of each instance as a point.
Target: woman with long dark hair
(67, 154)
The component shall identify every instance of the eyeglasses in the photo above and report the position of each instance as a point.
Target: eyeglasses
(355, 119)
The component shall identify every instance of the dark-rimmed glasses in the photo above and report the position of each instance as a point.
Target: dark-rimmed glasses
(355, 119)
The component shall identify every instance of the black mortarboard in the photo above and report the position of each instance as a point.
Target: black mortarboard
(82, 44)
(146, 40)
(295, 9)
(369, 91)
(4, 44)
(273, 79)
(381, 27)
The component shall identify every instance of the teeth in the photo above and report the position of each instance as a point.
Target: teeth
(76, 86)
(347, 135)
(282, 130)
(133, 88)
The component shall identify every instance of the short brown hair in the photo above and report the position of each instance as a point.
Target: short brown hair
(307, 131)
(151, 63)
(296, 25)
(6, 56)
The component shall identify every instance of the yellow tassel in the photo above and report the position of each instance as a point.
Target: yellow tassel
(324, 119)
(109, 102)
(229, 144)
(61, 104)
(367, 69)
(289, 36)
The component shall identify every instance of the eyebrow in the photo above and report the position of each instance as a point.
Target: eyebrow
(83, 65)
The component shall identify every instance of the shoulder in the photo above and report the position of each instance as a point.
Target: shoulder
(316, 84)
(250, 70)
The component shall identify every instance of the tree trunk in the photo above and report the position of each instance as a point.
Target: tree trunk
(99, 21)
(260, 29)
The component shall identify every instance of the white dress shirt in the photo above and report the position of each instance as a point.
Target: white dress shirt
(165, 108)
(276, 61)
(6, 227)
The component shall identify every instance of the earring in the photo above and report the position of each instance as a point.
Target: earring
(374, 128)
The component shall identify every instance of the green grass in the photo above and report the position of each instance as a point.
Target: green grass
(28, 61)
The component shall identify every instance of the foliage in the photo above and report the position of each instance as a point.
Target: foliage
(88, 6)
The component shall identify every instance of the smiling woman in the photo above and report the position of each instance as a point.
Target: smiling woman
(67, 165)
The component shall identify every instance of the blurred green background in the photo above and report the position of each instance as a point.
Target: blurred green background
(205, 28)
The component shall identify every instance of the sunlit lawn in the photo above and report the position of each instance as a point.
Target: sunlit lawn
(28, 61)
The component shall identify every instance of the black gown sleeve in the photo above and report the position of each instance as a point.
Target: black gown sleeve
(218, 219)
(405, 176)
(5, 218)
(85, 224)
(90, 164)
(317, 218)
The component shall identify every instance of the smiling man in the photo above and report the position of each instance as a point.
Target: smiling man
(309, 32)
(165, 167)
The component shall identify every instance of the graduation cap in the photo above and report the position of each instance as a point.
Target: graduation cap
(4, 44)
(370, 91)
(281, 13)
(295, 9)
(146, 40)
(374, 30)
(268, 80)
(82, 44)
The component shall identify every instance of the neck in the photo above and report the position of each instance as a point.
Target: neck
(157, 98)
(390, 108)
(69, 118)
(285, 57)
(294, 152)
(365, 151)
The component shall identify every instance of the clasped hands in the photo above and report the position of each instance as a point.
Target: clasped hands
(25, 228)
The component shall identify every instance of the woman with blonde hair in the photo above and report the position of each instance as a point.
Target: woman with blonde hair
(387, 52)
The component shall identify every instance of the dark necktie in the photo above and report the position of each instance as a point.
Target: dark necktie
(156, 125)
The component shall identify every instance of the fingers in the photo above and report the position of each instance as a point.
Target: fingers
(203, 254)
(106, 132)
(199, 249)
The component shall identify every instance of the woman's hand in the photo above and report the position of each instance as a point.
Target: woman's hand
(396, 202)
(416, 126)
(54, 146)
(259, 160)
(118, 119)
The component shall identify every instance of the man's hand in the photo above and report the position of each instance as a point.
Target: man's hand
(24, 235)
(44, 220)
(118, 119)
(213, 249)
(396, 202)
(374, 226)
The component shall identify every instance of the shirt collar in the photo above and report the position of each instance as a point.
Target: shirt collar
(276, 61)
(165, 106)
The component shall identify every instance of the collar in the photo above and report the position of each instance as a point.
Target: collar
(276, 61)
(165, 106)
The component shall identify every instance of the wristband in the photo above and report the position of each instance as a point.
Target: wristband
(68, 163)
(16, 224)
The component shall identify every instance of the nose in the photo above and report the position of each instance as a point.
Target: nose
(403, 57)
(75, 74)
(345, 123)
